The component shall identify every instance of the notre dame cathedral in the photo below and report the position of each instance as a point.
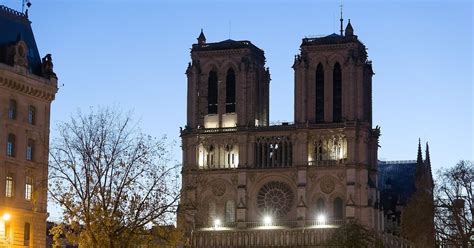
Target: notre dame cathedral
(250, 184)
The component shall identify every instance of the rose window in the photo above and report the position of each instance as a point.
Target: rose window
(275, 198)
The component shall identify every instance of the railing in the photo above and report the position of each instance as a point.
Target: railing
(391, 241)
(310, 224)
(327, 162)
(282, 127)
(261, 238)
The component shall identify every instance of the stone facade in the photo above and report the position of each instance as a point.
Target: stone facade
(240, 173)
(27, 87)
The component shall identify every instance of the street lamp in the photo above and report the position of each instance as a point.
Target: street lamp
(267, 220)
(321, 219)
(6, 217)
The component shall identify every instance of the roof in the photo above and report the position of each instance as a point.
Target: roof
(330, 39)
(396, 180)
(228, 45)
(15, 26)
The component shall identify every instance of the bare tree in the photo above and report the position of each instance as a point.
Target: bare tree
(455, 205)
(112, 181)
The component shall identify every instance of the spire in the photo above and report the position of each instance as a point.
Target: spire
(342, 22)
(428, 165)
(419, 158)
(427, 156)
(201, 39)
(349, 29)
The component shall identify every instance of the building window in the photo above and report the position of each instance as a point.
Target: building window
(273, 152)
(337, 93)
(338, 209)
(230, 211)
(30, 147)
(320, 206)
(28, 188)
(12, 110)
(26, 236)
(32, 115)
(11, 145)
(212, 212)
(230, 92)
(9, 186)
(212, 93)
(320, 93)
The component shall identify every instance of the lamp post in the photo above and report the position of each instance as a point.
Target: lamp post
(6, 217)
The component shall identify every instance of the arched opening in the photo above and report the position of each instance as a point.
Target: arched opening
(319, 93)
(338, 209)
(230, 92)
(230, 211)
(211, 210)
(337, 93)
(320, 206)
(212, 93)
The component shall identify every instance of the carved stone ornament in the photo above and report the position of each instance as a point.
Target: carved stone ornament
(327, 185)
(275, 198)
(234, 179)
(218, 188)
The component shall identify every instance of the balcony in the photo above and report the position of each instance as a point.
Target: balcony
(260, 225)
(338, 162)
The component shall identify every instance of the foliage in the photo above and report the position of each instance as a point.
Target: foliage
(355, 235)
(112, 181)
(454, 200)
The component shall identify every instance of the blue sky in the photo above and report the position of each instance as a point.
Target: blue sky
(134, 54)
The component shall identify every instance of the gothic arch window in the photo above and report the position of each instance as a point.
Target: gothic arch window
(212, 93)
(319, 93)
(12, 110)
(230, 92)
(211, 208)
(320, 206)
(11, 145)
(230, 211)
(337, 93)
(338, 209)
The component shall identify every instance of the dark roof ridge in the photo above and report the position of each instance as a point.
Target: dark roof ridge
(14, 13)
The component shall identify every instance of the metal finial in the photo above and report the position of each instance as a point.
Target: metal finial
(26, 4)
(342, 21)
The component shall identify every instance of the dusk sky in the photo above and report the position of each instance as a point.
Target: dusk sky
(133, 54)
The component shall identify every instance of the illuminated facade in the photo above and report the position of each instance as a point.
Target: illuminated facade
(242, 175)
(27, 87)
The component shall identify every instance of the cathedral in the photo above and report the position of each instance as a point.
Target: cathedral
(248, 183)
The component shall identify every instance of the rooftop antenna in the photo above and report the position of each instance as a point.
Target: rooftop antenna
(342, 20)
(26, 4)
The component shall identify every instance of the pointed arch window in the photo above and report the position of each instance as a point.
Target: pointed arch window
(320, 206)
(11, 145)
(211, 208)
(212, 93)
(230, 211)
(12, 110)
(320, 93)
(230, 92)
(338, 209)
(337, 93)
